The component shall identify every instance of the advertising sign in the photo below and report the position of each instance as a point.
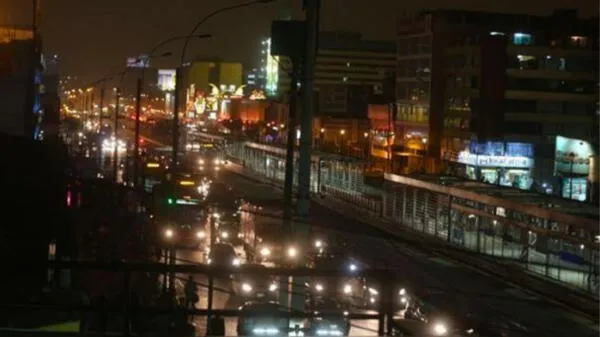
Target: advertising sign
(572, 156)
(494, 161)
(166, 79)
(142, 61)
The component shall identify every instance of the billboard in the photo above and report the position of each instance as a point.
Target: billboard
(166, 79)
(142, 61)
(572, 156)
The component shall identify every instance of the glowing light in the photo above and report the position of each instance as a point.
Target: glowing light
(265, 251)
(292, 252)
(440, 329)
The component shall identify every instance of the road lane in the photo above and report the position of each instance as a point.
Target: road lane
(445, 283)
(221, 299)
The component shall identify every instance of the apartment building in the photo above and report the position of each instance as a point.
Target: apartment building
(348, 70)
(481, 89)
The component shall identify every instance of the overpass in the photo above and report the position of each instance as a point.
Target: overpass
(551, 239)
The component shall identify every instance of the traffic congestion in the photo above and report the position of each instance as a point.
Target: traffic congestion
(198, 211)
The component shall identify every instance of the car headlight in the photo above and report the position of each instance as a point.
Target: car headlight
(440, 329)
(265, 331)
(236, 262)
(329, 332)
(265, 251)
(201, 234)
(347, 289)
(246, 288)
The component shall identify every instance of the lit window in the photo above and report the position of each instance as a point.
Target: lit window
(521, 39)
(579, 41)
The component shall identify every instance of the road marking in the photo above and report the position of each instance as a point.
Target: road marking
(443, 262)
(518, 293)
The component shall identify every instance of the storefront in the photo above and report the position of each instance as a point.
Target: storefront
(497, 163)
(573, 158)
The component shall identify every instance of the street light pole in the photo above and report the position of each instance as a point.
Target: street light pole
(140, 84)
(301, 229)
(136, 147)
(116, 133)
(178, 74)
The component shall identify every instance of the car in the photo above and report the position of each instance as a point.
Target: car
(184, 236)
(262, 318)
(432, 328)
(255, 286)
(350, 290)
(223, 255)
(330, 319)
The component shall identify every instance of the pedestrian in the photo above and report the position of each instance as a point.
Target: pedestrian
(191, 293)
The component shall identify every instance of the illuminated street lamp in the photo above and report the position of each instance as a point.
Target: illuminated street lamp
(178, 76)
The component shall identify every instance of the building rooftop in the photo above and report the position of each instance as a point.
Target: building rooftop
(532, 203)
(351, 41)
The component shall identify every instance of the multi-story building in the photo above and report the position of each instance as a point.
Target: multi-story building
(50, 92)
(492, 91)
(255, 80)
(20, 80)
(204, 74)
(348, 70)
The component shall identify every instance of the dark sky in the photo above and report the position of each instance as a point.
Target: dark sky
(94, 37)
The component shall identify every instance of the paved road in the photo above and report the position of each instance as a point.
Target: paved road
(224, 298)
(449, 285)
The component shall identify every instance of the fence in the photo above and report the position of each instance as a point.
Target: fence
(459, 223)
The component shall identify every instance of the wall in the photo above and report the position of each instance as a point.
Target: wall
(230, 74)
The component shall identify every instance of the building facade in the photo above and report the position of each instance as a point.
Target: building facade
(225, 75)
(20, 82)
(348, 71)
(491, 92)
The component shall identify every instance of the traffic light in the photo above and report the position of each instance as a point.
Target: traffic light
(170, 201)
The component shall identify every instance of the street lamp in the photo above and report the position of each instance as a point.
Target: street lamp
(181, 63)
(138, 102)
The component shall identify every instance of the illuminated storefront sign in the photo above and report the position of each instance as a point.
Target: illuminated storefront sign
(494, 161)
(142, 61)
(572, 156)
(272, 69)
(166, 79)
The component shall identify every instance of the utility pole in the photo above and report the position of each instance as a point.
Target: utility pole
(288, 185)
(178, 81)
(211, 278)
(303, 206)
(136, 149)
(100, 117)
(116, 133)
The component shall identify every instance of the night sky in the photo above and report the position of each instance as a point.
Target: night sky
(94, 37)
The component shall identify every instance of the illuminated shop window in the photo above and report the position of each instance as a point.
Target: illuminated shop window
(522, 39)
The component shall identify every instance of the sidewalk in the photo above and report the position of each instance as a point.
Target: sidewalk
(510, 272)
